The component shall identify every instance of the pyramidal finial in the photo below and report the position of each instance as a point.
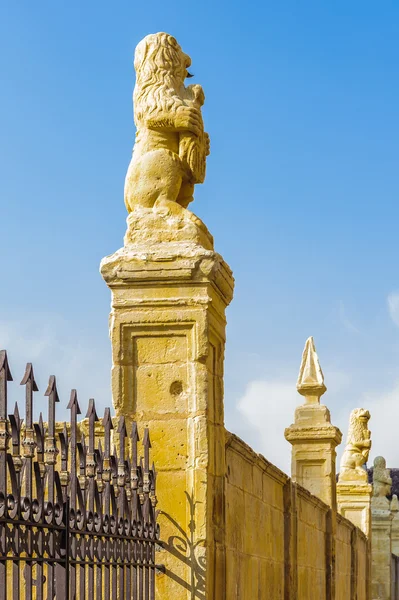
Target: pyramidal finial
(310, 379)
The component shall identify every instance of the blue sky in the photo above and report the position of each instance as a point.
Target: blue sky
(301, 194)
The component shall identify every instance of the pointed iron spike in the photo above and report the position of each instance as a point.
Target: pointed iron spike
(122, 427)
(52, 387)
(146, 440)
(74, 401)
(65, 432)
(41, 422)
(16, 414)
(135, 433)
(100, 448)
(107, 418)
(83, 440)
(91, 409)
(4, 364)
(29, 375)
(115, 453)
(154, 478)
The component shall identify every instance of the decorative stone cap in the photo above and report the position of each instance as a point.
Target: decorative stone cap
(354, 488)
(297, 434)
(310, 379)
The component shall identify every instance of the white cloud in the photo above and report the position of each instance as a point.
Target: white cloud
(269, 408)
(393, 306)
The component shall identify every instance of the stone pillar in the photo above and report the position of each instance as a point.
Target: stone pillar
(381, 552)
(167, 327)
(382, 515)
(312, 435)
(353, 489)
(395, 525)
(354, 501)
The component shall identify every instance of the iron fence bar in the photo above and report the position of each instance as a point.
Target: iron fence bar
(154, 529)
(29, 382)
(50, 459)
(73, 406)
(107, 425)
(5, 377)
(122, 501)
(134, 478)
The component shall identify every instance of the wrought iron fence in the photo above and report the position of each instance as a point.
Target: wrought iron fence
(77, 522)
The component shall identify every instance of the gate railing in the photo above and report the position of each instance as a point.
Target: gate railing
(77, 520)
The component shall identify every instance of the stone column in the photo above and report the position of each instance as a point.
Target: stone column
(382, 515)
(354, 502)
(395, 524)
(381, 552)
(167, 327)
(312, 435)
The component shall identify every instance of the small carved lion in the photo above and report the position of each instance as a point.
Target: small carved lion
(357, 447)
(382, 482)
(171, 146)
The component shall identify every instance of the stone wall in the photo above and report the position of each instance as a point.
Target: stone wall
(279, 541)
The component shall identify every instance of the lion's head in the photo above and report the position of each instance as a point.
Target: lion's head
(161, 68)
(358, 421)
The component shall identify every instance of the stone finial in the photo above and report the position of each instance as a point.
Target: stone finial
(310, 379)
(357, 449)
(394, 504)
(382, 481)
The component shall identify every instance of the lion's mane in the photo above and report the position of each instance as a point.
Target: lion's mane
(160, 73)
(357, 427)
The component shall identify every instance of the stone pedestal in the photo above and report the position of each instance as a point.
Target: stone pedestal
(314, 440)
(167, 327)
(354, 499)
(381, 549)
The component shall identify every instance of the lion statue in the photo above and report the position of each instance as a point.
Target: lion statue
(171, 146)
(357, 447)
(382, 481)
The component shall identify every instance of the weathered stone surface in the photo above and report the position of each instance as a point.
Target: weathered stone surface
(382, 484)
(353, 489)
(310, 379)
(357, 449)
(171, 145)
(233, 526)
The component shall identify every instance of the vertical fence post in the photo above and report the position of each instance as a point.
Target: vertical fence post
(5, 377)
(91, 471)
(50, 459)
(134, 477)
(73, 406)
(29, 382)
(107, 424)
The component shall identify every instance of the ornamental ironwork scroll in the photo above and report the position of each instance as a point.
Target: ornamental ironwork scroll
(78, 519)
